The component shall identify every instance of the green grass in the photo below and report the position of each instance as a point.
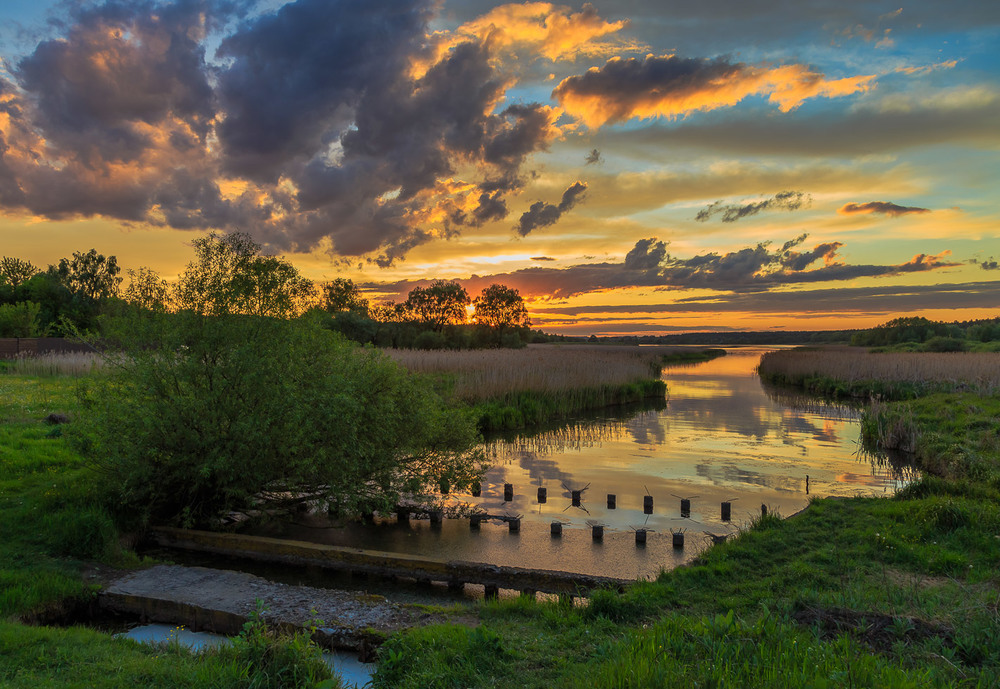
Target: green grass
(692, 356)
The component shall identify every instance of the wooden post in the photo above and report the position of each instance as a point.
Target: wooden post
(679, 539)
(727, 511)
(685, 507)
(763, 510)
(612, 501)
(475, 521)
(647, 504)
(556, 528)
(640, 536)
(508, 492)
(598, 532)
(807, 484)
(543, 496)
(576, 497)
(514, 525)
(436, 517)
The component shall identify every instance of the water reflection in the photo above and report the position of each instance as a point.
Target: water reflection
(721, 437)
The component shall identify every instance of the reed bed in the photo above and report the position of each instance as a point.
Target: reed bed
(901, 371)
(53, 365)
(480, 375)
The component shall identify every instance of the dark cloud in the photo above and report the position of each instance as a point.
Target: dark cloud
(882, 208)
(671, 86)
(783, 200)
(593, 157)
(542, 214)
(318, 120)
(987, 264)
(749, 270)
(542, 258)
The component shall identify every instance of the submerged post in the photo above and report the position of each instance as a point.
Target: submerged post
(727, 511)
(474, 521)
(556, 528)
(576, 497)
(543, 495)
(597, 532)
(612, 501)
(640, 536)
(685, 507)
(514, 524)
(647, 504)
(508, 492)
(678, 539)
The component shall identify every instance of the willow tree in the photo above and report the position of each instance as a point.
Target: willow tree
(233, 403)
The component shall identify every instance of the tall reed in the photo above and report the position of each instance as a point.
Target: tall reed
(53, 365)
(489, 374)
(896, 374)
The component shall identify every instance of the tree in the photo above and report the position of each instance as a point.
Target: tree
(90, 275)
(225, 405)
(231, 277)
(440, 304)
(342, 295)
(500, 308)
(147, 290)
(20, 319)
(16, 271)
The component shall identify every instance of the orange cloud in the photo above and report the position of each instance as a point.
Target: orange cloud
(556, 32)
(670, 86)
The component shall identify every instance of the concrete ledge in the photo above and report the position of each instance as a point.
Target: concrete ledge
(382, 563)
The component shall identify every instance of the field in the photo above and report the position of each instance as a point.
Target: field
(856, 372)
(480, 375)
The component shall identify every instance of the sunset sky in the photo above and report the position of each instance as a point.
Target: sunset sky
(638, 166)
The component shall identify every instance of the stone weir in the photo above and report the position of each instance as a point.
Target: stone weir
(357, 560)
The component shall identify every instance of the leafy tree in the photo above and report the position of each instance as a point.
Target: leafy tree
(90, 275)
(501, 308)
(231, 277)
(440, 304)
(16, 271)
(147, 290)
(342, 295)
(226, 405)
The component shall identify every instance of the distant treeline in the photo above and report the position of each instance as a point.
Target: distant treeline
(921, 334)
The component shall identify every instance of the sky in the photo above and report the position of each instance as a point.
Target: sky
(632, 167)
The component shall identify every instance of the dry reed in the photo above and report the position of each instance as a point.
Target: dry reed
(974, 370)
(71, 364)
(488, 374)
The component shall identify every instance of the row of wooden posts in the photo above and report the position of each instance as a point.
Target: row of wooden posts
(597, 530)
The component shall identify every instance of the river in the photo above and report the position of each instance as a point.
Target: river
(721, 436)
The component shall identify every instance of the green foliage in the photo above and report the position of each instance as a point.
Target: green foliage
(268, 659)
(520, 410)
(15, 271)
(20, 319)
(91, 275)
